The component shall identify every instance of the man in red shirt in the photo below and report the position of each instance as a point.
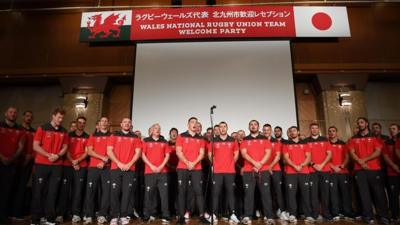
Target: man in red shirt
(226, 153)
(25, 167)
(275, 170)
(392, 172)
(320, 170)
(98, 177)
(297, 156)
(366, 149)
(50, 144)
(172, 176)
(124, 149)
(341, 185)
(12, 140)
(155, 155)
(190, 151)
(256, 151)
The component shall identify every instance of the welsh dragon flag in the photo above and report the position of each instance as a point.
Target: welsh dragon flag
(106, 26)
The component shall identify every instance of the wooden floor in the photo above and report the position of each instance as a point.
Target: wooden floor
(195, 222)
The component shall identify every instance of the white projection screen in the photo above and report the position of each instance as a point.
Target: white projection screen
(244, 79)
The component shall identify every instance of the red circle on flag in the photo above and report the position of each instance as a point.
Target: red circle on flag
(321, 21)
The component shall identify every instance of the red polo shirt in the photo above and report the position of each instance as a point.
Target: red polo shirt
(76, 148)
(339, 152)
(9, 138)
(224, 151)
(364, 146)
(319, 148)
(51, 140)
(276, 150)
(297, 153)
(173, 159)
(124, 147)
(98, 141)
(389, 150)
(155, 151)
(255, 147)
(191, 146)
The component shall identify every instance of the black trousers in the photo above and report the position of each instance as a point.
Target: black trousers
(277, 182)
(319, 192)
(370, 185)
(45, 184)
(239, 194)
(122, 183)
(172, 194)
(64, 201)
(24, 173)
(293, 182)
(195, 178)
(226, 182)
(78, 190)
(7, 187)
(393, 189)
(98, 180)
(341, 194)
(263, 181)
(154, 182)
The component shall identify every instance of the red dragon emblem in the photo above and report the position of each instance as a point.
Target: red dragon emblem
(111, 26)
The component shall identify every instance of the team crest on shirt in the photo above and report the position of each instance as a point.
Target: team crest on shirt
(322, 144)
(198, 141)
(369, 139)
(97, 139)
(357, 141)
(61, 135)
(150, 145)
(162, 145)
(229, 145)
(301, 146)
(217, 145)
(290, 147)
(119, 139)
(186, 140)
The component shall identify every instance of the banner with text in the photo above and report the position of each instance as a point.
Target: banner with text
(225, 22)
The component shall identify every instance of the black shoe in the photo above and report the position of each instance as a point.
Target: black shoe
(181, 221)
(203, 220)
(384, 221)
(368, 220)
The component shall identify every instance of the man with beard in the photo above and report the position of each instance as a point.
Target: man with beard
(321, 155)
(50, 144)
(190, 151)
(365, 149)
(12, 141)
(226, 153)
(297, 156)
(124, 149)
(392, 172)
(275, 171)
(341, 185)
(256, 151)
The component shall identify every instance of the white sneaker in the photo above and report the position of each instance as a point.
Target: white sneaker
(233, 219)
(101, 219)
(87, 220)
(258, 213)
(187, 215)
(292, 219)
(59, 219)
(278, 213)
(165, 221)
(284, 216)
(246, 220)
(49, 223)
(309, 219)
(76, 219)
(269, 221)
(135, 213)
(214, 218)
(43, 220)
(320, 218)
(114, 221)
(124, 221)
(336, 218)
(225, 218)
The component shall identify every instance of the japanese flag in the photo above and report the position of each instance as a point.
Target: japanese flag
(321, 21)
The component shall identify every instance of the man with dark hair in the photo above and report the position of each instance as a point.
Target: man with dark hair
(25, 167)
(12, 141)
(341, 185)
(392, 172)
(365, 149)
(256, 151)
(50, 144)
(98, 177)
(190, 151)
(297, 155)
(320, 170)
(376, 129)
(226, 153)
(276, 172)
(72, 126)
(124, 149)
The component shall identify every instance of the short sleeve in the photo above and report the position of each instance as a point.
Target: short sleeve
(38, 134)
